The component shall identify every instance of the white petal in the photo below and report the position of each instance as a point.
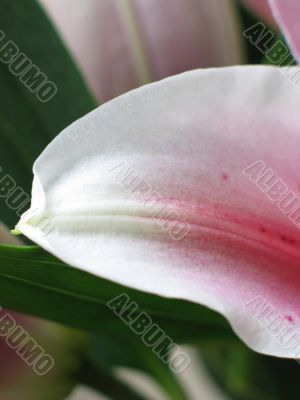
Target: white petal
(187, 140)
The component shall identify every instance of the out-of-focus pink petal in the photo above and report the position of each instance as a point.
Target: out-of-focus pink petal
(121, 44)
(182, 35)
(287, 14)
(262, 9)
(173, 150)
(11, 367)
(94, 32)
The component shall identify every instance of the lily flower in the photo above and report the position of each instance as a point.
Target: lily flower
(174, 189)
(26, 371)
(122, 44)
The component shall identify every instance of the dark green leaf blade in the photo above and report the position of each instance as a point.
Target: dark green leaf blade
(27, 125)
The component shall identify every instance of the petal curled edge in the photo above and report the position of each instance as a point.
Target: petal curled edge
(149, 191)
(287, 14)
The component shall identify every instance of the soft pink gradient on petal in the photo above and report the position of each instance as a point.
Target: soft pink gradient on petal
(262, 9)
(187, 139)
(287, 14)
(173, 36)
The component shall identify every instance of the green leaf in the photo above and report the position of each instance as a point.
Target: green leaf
(34, 282)
(27, 125)
(286, 62)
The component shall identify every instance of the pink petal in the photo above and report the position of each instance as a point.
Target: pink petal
(185, 35)
(178, 148)
(287, 14)
(121, 44)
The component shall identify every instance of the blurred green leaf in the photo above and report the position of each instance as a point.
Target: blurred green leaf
(104, 381)
(110, 351)
(247, 19)
(27, 125)
(246, 375)
(287, 61)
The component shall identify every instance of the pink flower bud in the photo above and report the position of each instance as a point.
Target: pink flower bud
(122, 44)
